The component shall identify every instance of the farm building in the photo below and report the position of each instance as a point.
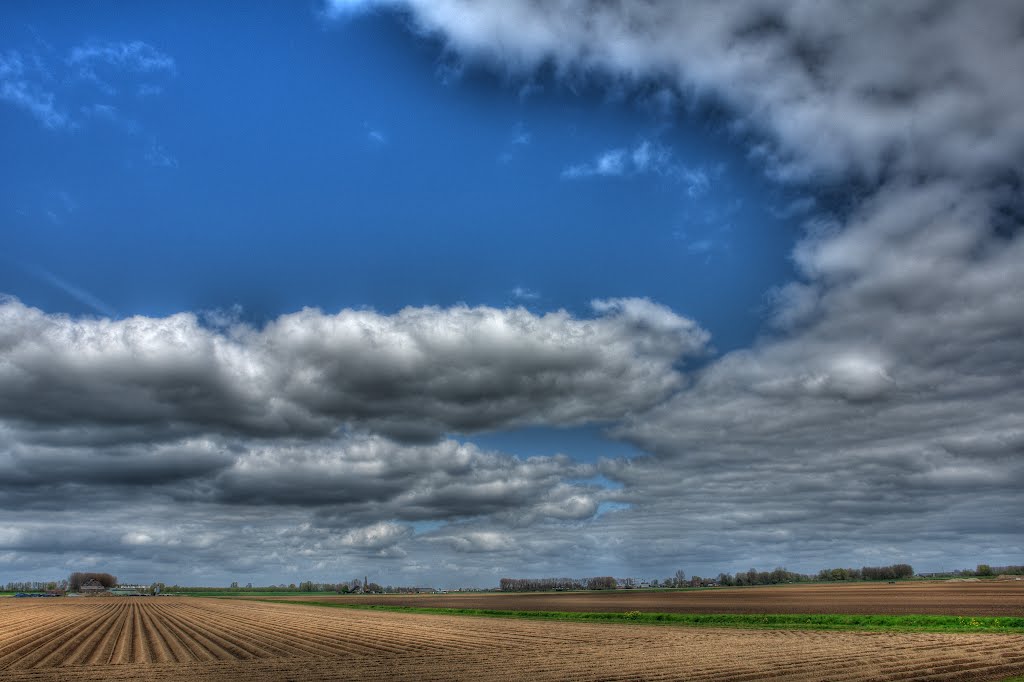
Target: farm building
(129, 590)
(92, 587)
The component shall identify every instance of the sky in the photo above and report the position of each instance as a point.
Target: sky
(441, 292)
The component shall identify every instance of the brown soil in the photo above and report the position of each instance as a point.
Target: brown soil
(218, 640)
(938, 598)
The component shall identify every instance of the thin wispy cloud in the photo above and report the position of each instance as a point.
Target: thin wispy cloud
(696, 180)
(18, 87)
(520, 138)
(135, 56)
(157, 155)
(645, 157)
(524, 294)
(38, 85)
(375, 135)
(76, 292)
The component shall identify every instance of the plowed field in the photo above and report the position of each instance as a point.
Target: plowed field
(206, 639)
(995, 599)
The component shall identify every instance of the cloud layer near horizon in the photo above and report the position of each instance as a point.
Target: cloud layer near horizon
(879, 419)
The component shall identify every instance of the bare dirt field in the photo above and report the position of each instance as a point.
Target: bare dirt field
(997, 599)
(207, 639)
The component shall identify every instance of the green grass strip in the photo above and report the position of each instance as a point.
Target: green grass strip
(772, 621)
(230, 593)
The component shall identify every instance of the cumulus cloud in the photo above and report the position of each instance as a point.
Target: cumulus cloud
(834, 88)
(413, 375)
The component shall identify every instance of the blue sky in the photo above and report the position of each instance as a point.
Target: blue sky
(450, 292)
(277, 161)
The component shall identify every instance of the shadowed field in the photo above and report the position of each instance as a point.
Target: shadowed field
(939, 598)
(207, 639)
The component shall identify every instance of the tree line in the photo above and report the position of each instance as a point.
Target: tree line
(35, 585)
(556, 584)
(893, 572)
(751, 577)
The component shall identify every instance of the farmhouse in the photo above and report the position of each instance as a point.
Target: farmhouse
(92, 587)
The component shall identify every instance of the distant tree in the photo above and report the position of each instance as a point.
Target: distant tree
(374, 587)
(983, 570)
(601, 583)
(234, 585)
(680, 578)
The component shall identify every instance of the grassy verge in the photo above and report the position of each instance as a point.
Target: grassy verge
(233, 593)
(773, 621)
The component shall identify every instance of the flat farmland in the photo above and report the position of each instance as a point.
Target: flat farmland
(208, 639)
(996, 599)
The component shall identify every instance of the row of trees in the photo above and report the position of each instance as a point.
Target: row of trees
(355, 585)
(984, 570)
(751, 577)
(556, 584)
(35, 585)
(892, 572)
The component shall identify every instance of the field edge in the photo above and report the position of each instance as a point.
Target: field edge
(766, 621)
